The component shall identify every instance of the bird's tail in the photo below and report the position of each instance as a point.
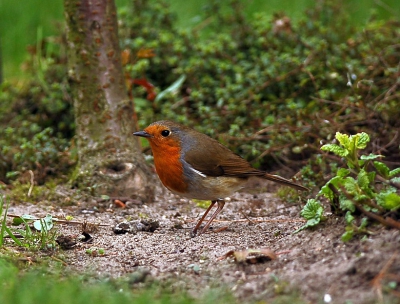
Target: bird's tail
(283, 181)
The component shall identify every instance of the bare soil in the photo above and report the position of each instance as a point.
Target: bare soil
(313, 266)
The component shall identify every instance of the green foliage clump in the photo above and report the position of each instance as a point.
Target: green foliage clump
(366, 186)
(269, 88)
(37, 122)
(42, 237)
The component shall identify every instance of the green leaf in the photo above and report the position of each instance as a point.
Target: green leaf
(371, 156)
(173, 88)
(394, 172)
(395, 180)
(44, 224)
(382, 169)
(361, 140)
(17, 221)
(312, 209)
(327, 192)
(343, 139)
(15, 239)
(312, 212)
(342, 172)
(347, 236)
(362, 179)
(349, 218)
(364, 222)
(23, 219)
(361, 163)
(346, 204)
(388, 200)
(339, 151)
(12, 174)
(351, 185)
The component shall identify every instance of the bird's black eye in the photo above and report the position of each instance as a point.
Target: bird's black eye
(165, 133)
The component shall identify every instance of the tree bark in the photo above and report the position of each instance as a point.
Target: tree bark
(110, 160)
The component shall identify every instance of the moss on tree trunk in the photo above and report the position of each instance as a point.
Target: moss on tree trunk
(110, 160)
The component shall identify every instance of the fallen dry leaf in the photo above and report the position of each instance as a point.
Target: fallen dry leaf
(119, 204)
(251, 256)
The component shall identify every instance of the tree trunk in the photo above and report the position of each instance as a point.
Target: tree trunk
(110, 160)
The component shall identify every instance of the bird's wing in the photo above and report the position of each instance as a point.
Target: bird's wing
(219, 161)
(213, 159)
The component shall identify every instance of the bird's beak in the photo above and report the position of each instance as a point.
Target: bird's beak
(142, 134)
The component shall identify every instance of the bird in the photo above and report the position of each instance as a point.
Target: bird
(196, 166)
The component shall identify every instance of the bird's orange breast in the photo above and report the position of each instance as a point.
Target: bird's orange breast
(169, 167)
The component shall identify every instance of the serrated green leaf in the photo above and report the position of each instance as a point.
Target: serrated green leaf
(388, 200)
(312, 209)
(351, 185)
(395, 180)
(394, 172)
(337, 181)
(326, 191)
(343, 172)
(361, 140)
(371, 156)
(382, 169)
(104, 197)
(343, 139)
(346, 204)
(339, 151)
(363, 179)
(312, 212)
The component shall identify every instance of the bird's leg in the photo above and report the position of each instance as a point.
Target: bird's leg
(194, 231)
(221, 204)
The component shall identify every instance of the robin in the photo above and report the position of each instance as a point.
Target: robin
(194, 165)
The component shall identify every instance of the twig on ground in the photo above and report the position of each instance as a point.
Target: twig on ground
(32, 183)
(60, 221)
(377, 280)
(253, 220)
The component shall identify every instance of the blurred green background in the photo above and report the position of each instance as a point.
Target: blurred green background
(22, 23)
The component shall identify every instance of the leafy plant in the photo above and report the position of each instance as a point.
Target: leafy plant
(5, 230)
(313, 213)
(42, 238)
(36, 119)
(366, 185)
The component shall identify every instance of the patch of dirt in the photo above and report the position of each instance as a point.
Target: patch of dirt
(314, 264)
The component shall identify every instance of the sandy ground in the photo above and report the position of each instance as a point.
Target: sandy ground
(313, 265)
